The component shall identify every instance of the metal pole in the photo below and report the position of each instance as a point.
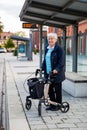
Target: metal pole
(64, 43)
(64, 40)
(17, 49)
(40, 47)
(31, 47)
(75, 47)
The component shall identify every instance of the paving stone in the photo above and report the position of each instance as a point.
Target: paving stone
(20, 118)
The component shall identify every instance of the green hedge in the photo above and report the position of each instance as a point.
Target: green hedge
(35, 50)
(15, 52)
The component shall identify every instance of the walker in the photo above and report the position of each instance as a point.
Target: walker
(39, 89)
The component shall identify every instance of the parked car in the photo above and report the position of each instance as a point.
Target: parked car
(3, 50)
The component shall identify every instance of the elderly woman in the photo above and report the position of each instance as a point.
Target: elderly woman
(54, 61)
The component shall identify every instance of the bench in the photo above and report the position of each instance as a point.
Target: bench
(75, 84)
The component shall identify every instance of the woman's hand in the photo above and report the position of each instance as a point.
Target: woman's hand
(55, 72)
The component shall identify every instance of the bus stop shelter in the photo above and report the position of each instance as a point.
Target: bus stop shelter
(56, 13)
(28, 46)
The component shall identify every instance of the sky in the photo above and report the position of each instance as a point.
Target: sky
(9, 15)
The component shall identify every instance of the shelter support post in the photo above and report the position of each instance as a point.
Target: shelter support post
(75, 48)
(64, 42)
(17, 49)
(29, 50)
(40, 47)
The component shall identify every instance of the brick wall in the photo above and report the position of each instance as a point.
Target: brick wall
(82, 28)
(4, 36)
(36, 38)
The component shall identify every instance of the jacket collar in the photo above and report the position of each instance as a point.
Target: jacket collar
(55, 47)
(48, 47)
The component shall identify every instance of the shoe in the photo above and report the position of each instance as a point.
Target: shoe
(55, 108)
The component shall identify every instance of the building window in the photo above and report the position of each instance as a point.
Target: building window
(4, 37)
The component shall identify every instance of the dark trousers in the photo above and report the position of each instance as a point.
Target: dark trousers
(55, 92)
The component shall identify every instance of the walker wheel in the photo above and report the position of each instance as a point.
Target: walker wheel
(65, 107)
(28, 104)
(39, 109)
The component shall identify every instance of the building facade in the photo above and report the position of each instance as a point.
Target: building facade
(82, 37)
(36, 38)
(4, 36)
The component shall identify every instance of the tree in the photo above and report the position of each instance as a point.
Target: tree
(9, 44)
(1, 27)
(20, 33)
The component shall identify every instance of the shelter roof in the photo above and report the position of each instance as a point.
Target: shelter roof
(18, 38)
(56, 13)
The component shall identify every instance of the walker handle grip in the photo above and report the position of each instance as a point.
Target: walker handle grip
(37, 71)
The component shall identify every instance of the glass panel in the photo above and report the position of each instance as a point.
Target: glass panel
(82, 55)
(68, 55)
(83, 1)
(44, 43)
(86, 46)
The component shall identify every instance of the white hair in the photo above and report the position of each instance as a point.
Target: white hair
(52, 35)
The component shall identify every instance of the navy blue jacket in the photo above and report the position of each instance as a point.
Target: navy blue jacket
(57, 62)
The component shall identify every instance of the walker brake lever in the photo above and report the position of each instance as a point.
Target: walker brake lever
(37, 71)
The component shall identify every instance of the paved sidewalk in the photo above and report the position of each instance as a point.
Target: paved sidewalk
(20, 118)
(1, 84)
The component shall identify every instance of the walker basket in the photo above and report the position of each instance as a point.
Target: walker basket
(36, 88)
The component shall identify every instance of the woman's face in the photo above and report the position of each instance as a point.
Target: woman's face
(52, 41)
